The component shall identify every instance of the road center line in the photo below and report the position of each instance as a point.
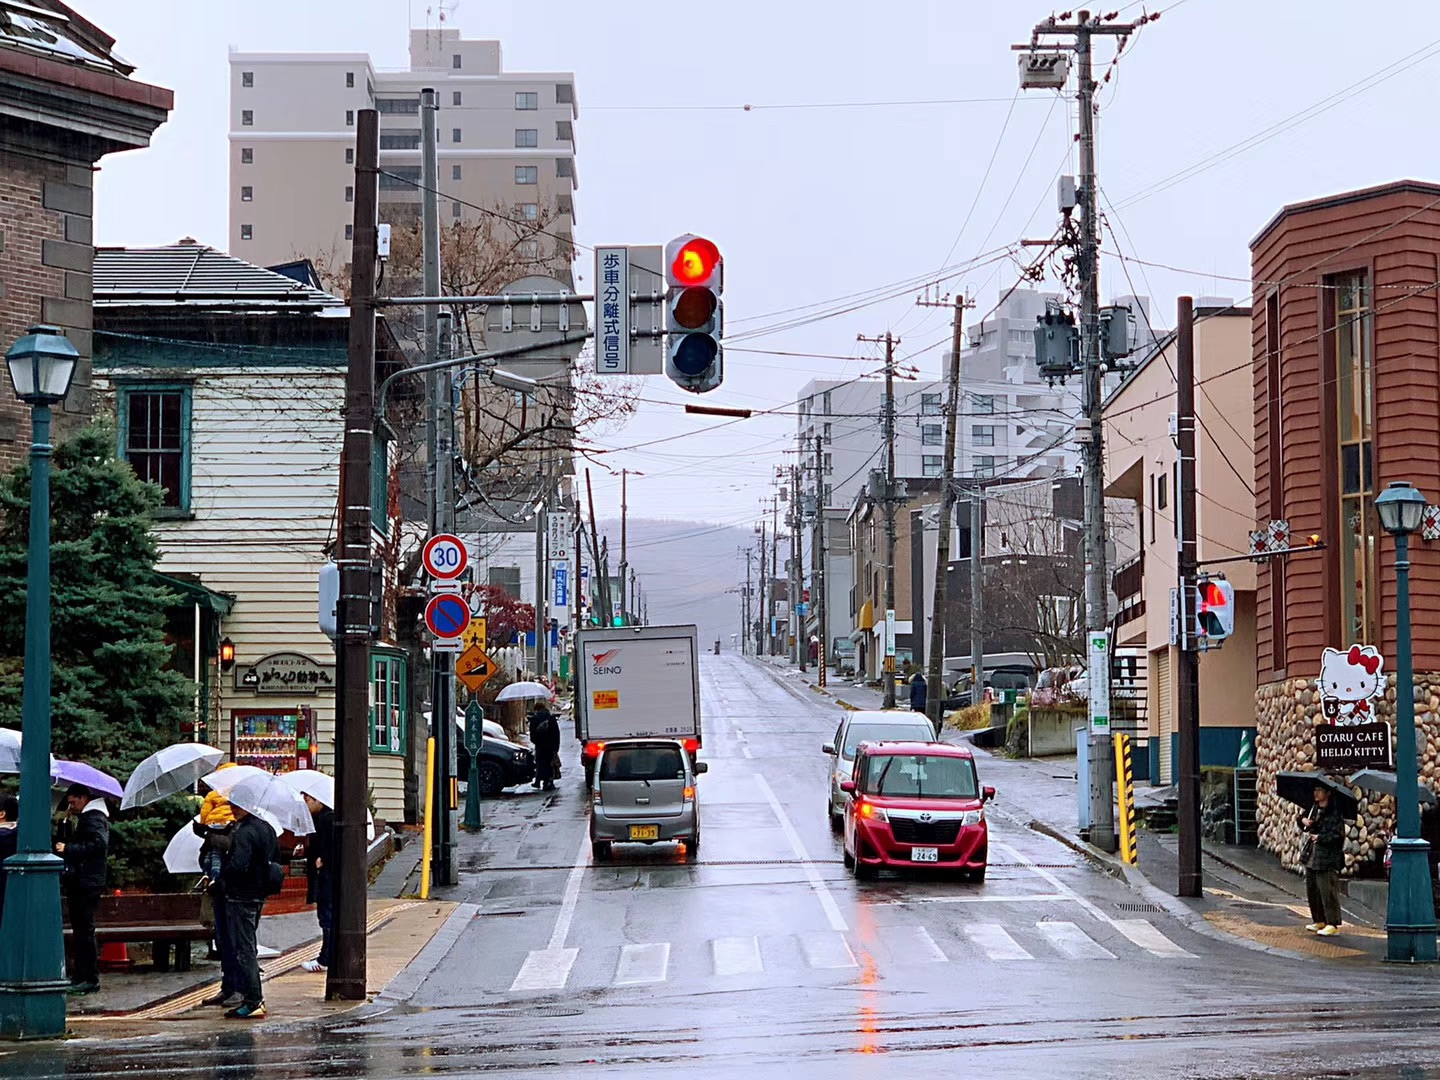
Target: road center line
(817, 883)
(1059, 885)
(572, 894)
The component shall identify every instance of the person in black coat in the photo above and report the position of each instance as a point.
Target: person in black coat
(9, 836)
(1323, 855)
(318, 850)
(917, 693)
(86, 854)
(545, 738)
(246, 877)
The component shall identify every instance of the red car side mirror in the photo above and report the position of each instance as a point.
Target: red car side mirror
(847, 786)
(987, 794)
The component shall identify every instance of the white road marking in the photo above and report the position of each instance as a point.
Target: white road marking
(572, 894)
(643, 964)
(997, 943)
(817, 883)
(1030, 898)
(745, 749)
(1073, 942)
(912, 944)
(1058, 885)
(737, 956)
(545, 969)
(824, 950)
(1148, 938)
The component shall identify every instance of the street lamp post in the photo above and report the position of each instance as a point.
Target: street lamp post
(1410, 915)
(32, 943)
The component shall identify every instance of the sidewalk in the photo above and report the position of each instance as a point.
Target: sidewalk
(1250, 899)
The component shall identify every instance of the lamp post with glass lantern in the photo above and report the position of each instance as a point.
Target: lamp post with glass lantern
(32, 944)
(1410, 914)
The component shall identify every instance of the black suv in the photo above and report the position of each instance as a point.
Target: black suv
(502, 764)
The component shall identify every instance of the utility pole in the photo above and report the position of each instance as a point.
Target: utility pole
(624, 563)
(1097, 586)
(935, 690)
(775, 566)
(346, 977)
(541, 666)
(977, 593)
(1188, 682)
(600, 594)
(888, 500)
(745, 609)
(821, 551)
(762, 638)
(443, 663)
(797, 571)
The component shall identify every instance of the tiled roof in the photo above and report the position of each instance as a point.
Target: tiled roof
(197, 275)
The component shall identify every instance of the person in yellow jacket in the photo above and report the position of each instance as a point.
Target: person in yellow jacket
(215, 810)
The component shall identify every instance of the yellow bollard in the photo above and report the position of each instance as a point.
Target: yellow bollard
(429, 817)
(1125, 784)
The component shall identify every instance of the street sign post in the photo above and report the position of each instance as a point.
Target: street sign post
(447, 615)
(445, 557)
(474, 739)
(474, 668)
(561, 528)
(1099, 684)
(475, 632)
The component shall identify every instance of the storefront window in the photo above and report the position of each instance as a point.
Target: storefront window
(388, 704)
(1355, 400)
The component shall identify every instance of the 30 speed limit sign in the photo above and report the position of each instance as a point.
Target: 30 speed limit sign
(445, 557)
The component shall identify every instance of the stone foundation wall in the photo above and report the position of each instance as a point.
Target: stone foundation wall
(1286, 714)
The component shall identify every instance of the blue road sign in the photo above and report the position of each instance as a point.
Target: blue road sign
(562, 586)
(447, 615)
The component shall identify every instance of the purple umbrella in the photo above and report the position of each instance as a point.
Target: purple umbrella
(77, 772)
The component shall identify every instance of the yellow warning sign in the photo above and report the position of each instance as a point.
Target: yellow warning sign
(605, 699)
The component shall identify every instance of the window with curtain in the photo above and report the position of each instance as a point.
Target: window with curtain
(1355, 424)
(387, 704)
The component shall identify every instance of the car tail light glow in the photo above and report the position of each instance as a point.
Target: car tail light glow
(593, 749)
(692, 746)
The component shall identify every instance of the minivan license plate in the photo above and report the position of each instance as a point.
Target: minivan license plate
(645, 832)
(924, 854)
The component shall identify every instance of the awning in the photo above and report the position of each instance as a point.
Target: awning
(867, 616)
(193, 592)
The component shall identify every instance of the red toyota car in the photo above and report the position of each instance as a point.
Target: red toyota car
(916, 804)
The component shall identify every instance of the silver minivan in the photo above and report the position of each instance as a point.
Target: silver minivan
(645, 794)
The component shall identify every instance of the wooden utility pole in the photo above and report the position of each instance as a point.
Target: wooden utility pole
(888, 500)
(1188, 657)
(762, 638)
(346, 977)
(935, 688)
(821, 552)
(797, 569)
(603, 593)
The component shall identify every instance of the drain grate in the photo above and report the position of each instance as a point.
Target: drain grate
(1152, 909)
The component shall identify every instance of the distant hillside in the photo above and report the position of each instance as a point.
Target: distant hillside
(685, 569)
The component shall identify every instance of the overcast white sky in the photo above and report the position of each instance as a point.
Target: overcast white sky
(815, 203)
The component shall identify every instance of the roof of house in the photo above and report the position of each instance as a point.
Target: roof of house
(56, 31)
(195, 275)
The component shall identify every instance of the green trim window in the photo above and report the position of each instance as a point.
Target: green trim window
(380, 484)
(154, 429)
(389, 703)
(1355, 428)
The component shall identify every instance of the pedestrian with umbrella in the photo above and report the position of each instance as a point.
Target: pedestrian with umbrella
(248, 876)
(1323, 853)
(318, 848)
(86, 854)
(545, 737)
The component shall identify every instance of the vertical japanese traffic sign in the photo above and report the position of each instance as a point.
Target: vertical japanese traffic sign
(445, 557)
(560, 526)
(1099, 683)
(612, 311)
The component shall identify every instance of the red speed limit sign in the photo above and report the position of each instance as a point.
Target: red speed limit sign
(445, 556)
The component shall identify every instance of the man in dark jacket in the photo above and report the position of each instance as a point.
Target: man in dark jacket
(1324, 857)
(917, 693)
(246, 877)
(9, 836)
(320, 877)
(545, 738)
(86, 854)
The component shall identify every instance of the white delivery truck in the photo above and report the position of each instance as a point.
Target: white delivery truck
(634, 681)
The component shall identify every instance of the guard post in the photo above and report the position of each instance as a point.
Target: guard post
(1125, 785)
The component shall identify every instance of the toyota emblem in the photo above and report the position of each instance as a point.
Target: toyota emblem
(927, 817)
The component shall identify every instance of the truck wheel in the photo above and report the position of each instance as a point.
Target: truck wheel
(601, 850)
(492, 780)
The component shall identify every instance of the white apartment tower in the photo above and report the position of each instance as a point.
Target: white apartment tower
(506, 144)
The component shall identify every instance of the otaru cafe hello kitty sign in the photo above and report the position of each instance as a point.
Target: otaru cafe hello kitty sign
(1350, 736)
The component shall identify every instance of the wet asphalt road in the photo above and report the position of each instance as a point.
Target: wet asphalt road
(767, 959)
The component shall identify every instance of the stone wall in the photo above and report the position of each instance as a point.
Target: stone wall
(1286, 714)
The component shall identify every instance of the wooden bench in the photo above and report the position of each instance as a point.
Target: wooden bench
(165, 920)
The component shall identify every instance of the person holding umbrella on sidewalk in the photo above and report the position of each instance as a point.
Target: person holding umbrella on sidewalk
(1323, 856)
(86, 854)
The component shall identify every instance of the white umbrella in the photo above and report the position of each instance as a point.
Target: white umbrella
(321, 787)
(182, 854)
(9, 750)
(168, 770)
(265, 794)
(525, 691)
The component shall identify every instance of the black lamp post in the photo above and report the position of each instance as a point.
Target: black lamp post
(32, 943)
(1410, 912)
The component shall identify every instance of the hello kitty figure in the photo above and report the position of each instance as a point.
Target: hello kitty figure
(1349, 684)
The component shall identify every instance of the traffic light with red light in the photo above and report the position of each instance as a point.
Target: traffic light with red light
(1214, 609)
(694, 314)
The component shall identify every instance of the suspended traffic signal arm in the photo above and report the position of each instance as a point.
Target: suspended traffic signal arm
(1315, 544)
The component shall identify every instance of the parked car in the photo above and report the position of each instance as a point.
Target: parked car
(645, 793)
(502, 764)
(916, 804)
(856, 728)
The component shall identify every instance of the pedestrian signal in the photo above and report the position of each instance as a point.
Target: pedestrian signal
(1214, 609)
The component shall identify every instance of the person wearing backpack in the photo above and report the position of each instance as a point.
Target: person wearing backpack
(250, 873)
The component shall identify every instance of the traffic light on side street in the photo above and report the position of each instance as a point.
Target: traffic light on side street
(1214, 609)
(694, 314)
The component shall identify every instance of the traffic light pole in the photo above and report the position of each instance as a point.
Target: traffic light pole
(1188, 657)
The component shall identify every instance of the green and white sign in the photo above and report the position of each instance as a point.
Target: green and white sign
(1099, 653)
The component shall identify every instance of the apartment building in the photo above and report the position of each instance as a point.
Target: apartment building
(506, 144)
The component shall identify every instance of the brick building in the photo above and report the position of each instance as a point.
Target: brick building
(1346, 369)
(66, 100)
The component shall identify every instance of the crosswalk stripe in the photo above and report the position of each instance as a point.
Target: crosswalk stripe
(912, 944)
(736, 956)
(643, 964)
(545, 969)
(827, 950)
(1148, 938)
(997, 943)
(1073, 942)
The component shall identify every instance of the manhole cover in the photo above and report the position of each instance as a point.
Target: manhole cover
(558, 1010)
(1149, 908)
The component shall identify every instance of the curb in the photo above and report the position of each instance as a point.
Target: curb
(407, 983)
